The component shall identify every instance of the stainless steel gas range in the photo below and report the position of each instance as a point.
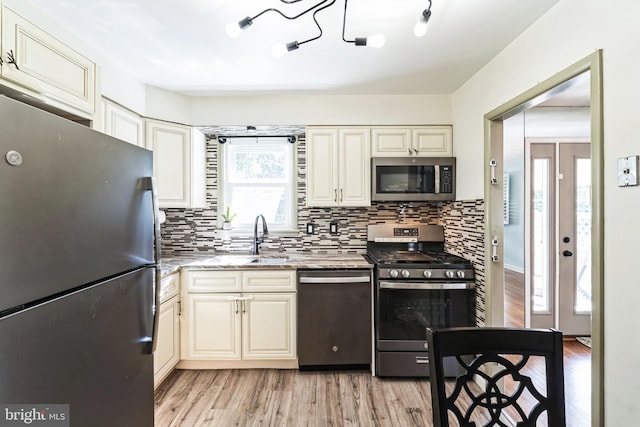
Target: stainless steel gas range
(417, 286)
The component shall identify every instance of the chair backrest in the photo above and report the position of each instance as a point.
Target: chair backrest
(506, 375)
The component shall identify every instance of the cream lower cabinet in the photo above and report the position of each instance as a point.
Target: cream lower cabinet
(338, 167)
(420, 141)
(167, 353)
(223, 325)
(268, 326)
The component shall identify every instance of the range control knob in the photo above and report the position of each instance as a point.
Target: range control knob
(393, 273)
(450, 274)
(460, 274)
(405, 274)
(427, 273)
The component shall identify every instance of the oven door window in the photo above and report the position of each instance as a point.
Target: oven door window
(405, 179)
(405, 314)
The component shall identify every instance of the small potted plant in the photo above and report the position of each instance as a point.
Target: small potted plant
(227, 217)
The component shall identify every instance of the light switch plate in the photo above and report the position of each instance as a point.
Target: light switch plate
(627, 171)
(333, 228)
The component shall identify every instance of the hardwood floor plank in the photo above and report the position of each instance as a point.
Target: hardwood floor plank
(304, 399)
(513, 299)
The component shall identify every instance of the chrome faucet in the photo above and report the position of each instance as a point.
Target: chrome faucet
(257, 240)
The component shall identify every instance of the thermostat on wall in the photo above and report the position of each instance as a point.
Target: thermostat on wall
(627, 171)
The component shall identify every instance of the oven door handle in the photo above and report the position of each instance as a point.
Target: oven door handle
(426, 285)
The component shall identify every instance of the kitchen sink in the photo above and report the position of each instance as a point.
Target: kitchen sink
(272, 259)
(240, 260)
(232, 260)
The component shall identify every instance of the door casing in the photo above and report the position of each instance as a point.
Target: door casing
(494, 227)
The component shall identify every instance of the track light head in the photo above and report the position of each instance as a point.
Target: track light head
(235, 28)
(280, 50)
(421, 26)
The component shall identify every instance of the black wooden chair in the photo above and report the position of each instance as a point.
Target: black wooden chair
(501, 378)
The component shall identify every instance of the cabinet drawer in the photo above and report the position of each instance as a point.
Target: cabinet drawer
(169, 287)
(269, 280)
(212, 281)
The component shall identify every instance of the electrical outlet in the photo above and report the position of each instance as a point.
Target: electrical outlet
(311, 228)
(333, 228)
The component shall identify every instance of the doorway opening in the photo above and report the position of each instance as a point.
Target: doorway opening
(545, 256)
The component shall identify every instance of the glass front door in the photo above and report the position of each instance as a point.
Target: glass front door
(560, 237)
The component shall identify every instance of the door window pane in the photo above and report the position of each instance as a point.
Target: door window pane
(583, 236)
(541, 236)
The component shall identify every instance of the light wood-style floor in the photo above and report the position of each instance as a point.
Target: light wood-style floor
(269, 397)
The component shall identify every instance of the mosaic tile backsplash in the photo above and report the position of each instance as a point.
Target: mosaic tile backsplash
(195, 230)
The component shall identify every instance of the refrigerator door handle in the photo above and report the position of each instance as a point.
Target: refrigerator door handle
(149, 184)
(156, 309)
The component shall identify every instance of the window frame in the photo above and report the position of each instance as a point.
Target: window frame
(223, 185)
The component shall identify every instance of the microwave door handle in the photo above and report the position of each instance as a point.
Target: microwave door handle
(436, 172)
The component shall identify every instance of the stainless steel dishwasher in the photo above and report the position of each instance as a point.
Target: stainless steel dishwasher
(334, 318)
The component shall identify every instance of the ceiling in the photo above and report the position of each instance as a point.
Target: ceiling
(183, 46)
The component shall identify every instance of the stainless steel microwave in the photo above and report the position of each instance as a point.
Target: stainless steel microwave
(413, 178)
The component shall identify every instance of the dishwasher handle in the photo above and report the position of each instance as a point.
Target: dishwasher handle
(335, 279)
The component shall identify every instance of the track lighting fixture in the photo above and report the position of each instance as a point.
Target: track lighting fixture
(377, 40)
(421, 26)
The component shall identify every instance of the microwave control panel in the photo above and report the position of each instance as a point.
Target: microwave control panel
(446, 179)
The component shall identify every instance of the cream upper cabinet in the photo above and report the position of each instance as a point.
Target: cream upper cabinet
(390, 142)
(44, 66)
(338, 166)
(423, 141)
(124, 124)
(178, 163)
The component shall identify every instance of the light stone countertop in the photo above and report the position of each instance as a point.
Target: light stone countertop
(268, 260)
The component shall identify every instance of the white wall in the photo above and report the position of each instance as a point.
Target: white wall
(570, 31)
(298, 109)
(321, 110)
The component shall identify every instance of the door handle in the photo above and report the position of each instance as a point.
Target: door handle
(149, 184)
(567, 253)
(11, 59)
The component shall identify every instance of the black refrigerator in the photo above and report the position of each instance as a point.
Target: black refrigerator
(78, 272)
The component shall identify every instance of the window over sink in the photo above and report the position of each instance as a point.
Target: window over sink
(259, 177)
